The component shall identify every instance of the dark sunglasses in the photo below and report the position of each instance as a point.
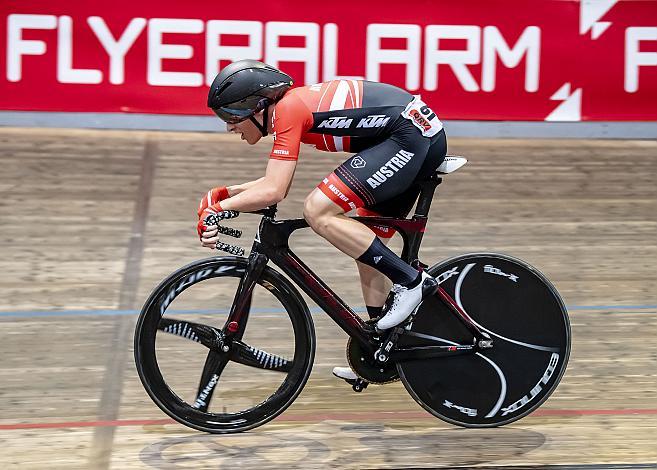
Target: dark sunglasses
(239, 111)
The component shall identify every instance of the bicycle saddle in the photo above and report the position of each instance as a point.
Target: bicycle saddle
(451, 164)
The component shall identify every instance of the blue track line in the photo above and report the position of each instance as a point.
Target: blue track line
(644, 309)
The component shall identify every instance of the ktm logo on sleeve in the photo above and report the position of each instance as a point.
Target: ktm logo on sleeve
(336, 122)
(374, 120)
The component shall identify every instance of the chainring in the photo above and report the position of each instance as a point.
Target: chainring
(365, 368)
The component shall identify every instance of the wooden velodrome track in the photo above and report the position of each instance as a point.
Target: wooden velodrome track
(91, 221)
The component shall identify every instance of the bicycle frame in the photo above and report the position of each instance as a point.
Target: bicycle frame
(271, 243)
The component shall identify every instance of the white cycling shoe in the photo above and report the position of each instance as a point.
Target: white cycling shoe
(406, 301)
(344, 373)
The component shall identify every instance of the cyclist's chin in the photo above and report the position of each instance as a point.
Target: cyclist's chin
(252, 139)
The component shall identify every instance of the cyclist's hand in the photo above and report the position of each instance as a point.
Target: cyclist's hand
(208, 233)
(212, 197)
(210, 237)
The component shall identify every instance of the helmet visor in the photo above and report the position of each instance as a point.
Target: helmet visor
(240, 110)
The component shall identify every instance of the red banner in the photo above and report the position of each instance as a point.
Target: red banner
(548, 60)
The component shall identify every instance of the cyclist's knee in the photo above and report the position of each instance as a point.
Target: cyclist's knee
(318, 210)
(312, 210)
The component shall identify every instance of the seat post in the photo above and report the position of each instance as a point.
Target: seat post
(427, 190)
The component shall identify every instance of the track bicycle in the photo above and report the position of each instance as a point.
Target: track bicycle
(487, 349)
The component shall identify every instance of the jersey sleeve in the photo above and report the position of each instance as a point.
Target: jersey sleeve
(291, 118)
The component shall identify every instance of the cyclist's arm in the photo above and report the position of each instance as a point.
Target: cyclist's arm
(266, 191)
(291, 117)
(238, 188)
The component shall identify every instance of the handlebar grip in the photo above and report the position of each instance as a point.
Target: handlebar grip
(232, 249)
(213, 219)
(231, 232)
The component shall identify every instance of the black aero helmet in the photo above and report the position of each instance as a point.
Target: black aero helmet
(245, 88)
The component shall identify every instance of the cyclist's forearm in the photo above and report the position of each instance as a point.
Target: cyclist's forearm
(238, 188)
(257, 196)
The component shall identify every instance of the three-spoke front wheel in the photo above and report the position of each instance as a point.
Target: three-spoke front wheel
(215, 376)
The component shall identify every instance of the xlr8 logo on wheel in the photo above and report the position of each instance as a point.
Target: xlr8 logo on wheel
(493, 270)
(537, 389)
(186, 282)
(463, 409)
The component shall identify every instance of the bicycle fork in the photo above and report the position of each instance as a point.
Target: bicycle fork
(239, 311)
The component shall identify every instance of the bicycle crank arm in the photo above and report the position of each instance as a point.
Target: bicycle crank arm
(254, 357)
(425, 352)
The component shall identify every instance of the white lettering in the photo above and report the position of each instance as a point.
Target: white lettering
(309, 54)
(214, 51)
(389, 169)
(330, 55)
(338, 193)
(377, 120)
(65, 71)
(116, 49)
(487, 49)
(529, 44)
(457, 60)
(157, 51)
(634, 58)
(200, 401)
(18, 47)
(409, 56)
(536, 389)
(335, 122)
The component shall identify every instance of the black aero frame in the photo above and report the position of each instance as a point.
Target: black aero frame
(532, 318)
(271, 243)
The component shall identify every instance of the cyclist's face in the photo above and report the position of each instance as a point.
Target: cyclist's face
(249, 131)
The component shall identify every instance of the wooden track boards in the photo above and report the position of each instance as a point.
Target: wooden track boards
(92, 220)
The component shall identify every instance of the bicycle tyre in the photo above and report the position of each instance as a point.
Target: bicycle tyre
(528, 322)
(151, 375)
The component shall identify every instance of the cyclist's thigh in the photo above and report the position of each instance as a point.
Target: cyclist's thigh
(402, 203)
(377, 174)
(435, 155)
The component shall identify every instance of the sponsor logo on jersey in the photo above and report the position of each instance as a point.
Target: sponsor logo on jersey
(339, 193)
(374, 120)
(336, 122)
(357, 162)
(420, 120)
(281, 152)
(391, 167)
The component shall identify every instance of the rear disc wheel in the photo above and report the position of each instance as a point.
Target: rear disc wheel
(528, 323)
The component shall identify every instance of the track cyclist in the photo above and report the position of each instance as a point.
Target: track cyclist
(395, 138)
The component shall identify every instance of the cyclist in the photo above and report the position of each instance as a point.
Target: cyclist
(395, 139)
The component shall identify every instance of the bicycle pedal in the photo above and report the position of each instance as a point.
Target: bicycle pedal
(358, 385)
